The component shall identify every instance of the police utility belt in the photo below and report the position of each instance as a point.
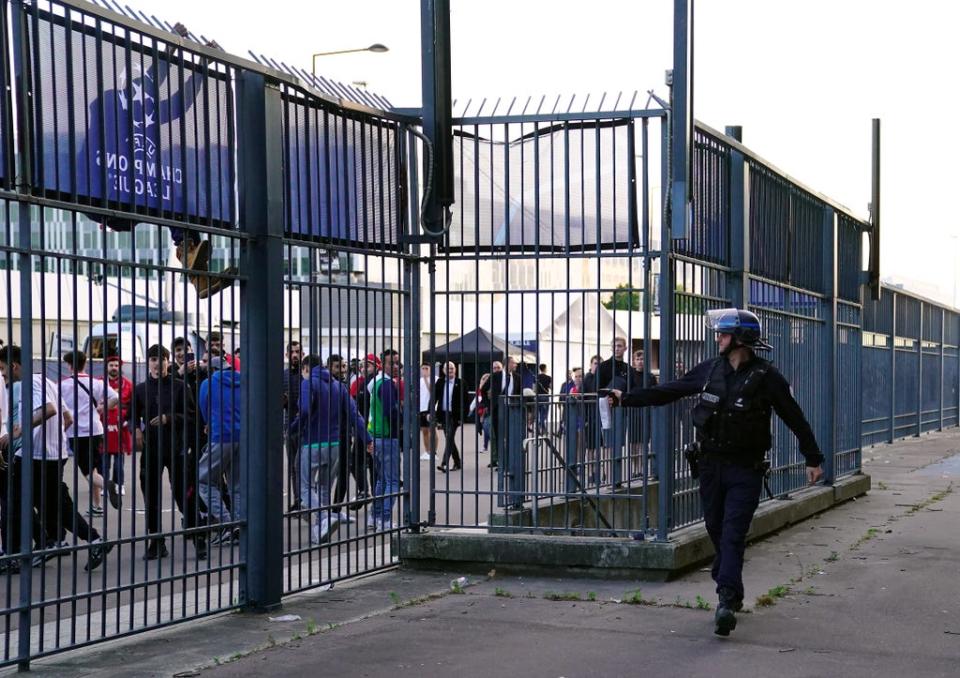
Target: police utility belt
(695, 455)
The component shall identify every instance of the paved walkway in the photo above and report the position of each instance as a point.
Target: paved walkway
(866, 589)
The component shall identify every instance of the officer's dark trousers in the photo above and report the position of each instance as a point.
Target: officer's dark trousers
(730, 495)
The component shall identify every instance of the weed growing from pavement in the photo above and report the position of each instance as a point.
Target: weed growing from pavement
(395, 598)
(867, 536)
(554, 595)
(312, 627)
(502, 593)
(702, 604)
(455, 587)
(932, 499)
(770, 597)
(592, 596)
(833, 557)
(881, 485)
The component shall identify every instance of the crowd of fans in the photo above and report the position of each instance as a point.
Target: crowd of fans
(341, 420)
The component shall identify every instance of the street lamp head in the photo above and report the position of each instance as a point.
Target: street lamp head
(377, 47)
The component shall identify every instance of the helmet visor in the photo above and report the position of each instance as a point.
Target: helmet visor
(722, 319)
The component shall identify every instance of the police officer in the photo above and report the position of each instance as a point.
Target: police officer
(737, 392)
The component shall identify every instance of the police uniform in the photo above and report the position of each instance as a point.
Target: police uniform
(732, 418)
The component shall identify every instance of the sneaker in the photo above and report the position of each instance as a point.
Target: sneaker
(328, 530)
(424, 456)
(10, 567)
(95, 511)
(372, 524)
(98, 551)
(156, 549)
(315, 531)
(114, 494)
(361, 500)
(123, 491)
(200, 545)
(346, 517)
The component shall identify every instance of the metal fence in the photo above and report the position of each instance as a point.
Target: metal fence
(160, 195)
(156, 191)
(910, 367)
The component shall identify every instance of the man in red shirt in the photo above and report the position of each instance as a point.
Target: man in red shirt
(118, 440)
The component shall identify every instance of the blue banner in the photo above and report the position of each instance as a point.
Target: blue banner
(136, 128)
(341, 176)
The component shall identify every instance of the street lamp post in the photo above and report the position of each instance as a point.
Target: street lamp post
(375, 47)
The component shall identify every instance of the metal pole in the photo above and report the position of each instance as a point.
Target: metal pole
(739, 277)
(827, 433)
(21, 60)
(893, 367)
(875, 213)
(943, 325)
(411, 319)
(260, 177)
(663, 424)
(920, 372)
(681, 117)
(437, 106)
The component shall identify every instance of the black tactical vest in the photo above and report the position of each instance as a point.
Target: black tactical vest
(734, 423)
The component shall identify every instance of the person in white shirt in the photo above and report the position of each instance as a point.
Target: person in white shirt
(426, 388)
(88, 399)
(50, 497)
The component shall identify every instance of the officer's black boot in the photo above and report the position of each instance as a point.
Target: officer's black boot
(725, 619)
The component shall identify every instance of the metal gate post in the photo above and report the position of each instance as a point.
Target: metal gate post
(739, 277)
(21, 61)
(411, 327)
(893, 367)
(943, 326)
(920, 371)
(831, 375)
(260, 177)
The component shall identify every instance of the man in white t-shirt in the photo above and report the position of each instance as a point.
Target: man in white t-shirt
(426, 390)
(50, 497)
(88, 399)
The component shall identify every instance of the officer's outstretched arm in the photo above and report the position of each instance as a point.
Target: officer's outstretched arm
(689, 384)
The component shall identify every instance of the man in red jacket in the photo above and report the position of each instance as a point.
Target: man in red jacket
(118, 440)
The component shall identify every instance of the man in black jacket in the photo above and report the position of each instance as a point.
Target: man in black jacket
(162, 412)
(738, 392)
(504, 382)
(449, 403)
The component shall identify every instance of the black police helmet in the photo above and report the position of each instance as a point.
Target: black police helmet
(743, 325)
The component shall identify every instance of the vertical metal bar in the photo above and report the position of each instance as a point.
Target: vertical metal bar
(739, 277)
(261, 215)
(23, 184)
(940, 382)
(663, 428)
(681, 117)
(435, 46)
(893, 367)
(920, 305)
(411, 317)
(831, 373)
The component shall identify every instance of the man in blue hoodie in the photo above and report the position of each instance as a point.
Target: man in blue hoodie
(220, 407)
(323, 400)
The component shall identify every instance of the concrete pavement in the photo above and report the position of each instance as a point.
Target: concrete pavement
(866, 589)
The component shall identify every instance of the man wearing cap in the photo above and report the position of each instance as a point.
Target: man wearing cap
(118, 442)
(220, 462)
(738, 391)
(162, 412)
